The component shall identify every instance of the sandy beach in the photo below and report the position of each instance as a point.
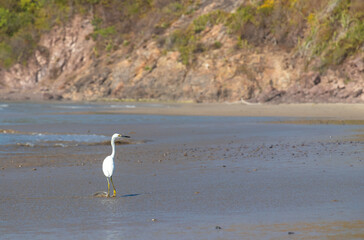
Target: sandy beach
(190, 171)
(308, 110)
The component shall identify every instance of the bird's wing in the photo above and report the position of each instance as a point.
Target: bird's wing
(108, 166)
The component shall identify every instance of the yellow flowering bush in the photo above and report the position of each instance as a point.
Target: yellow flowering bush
(267, 4)
(266, 7)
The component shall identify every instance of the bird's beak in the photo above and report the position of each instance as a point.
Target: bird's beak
(124, 136)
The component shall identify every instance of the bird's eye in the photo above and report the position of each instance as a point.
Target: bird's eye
(119, 135)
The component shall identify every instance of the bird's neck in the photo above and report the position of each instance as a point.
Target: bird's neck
(113, 148)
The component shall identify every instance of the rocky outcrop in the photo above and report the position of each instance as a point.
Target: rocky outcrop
(65, 66)
(63, 53)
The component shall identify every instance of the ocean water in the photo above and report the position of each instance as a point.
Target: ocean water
(72, 124)
(62, 124)
(57, 117)
(42, 113)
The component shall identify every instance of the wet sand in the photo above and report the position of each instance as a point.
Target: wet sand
(309, 110)
(208, 178)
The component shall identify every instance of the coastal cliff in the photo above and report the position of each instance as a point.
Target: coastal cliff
(193, 51)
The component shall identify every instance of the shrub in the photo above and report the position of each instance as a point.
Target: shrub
(6, 55)
(217, 44)
(237, 20)
(211, 19)
(21, 24)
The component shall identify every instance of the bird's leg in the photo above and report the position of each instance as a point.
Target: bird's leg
(114, 195)
(108, 187)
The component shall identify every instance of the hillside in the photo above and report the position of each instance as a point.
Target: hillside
(192, 51)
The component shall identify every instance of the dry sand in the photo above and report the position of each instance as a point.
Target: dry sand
(208, 178)
(330, 111)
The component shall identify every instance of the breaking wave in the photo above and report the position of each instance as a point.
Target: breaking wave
(3, 106)
(34, 139)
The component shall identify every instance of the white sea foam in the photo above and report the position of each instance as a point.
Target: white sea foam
(60, 145)
(130, 106)
(27, 144)
(44, 139)
(73, 107)
(2, 106)
(122, 106)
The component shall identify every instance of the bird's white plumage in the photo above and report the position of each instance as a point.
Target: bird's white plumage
(108, 166)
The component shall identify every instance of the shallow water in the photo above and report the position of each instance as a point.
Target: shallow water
(190, 174)
(49, 123)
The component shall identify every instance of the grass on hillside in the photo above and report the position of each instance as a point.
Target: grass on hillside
(324, 32)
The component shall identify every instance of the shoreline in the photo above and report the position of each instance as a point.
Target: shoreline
(332, 111)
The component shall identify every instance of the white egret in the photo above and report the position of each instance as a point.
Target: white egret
(108, 164)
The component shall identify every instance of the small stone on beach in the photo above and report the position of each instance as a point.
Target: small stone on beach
(290, 233)
(218, 227)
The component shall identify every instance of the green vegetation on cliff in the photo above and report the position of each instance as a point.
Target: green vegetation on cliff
(327, 31)
(324, 32)
(22, 22)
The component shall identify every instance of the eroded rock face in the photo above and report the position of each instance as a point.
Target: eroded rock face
(61, 54)
(64, 67)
